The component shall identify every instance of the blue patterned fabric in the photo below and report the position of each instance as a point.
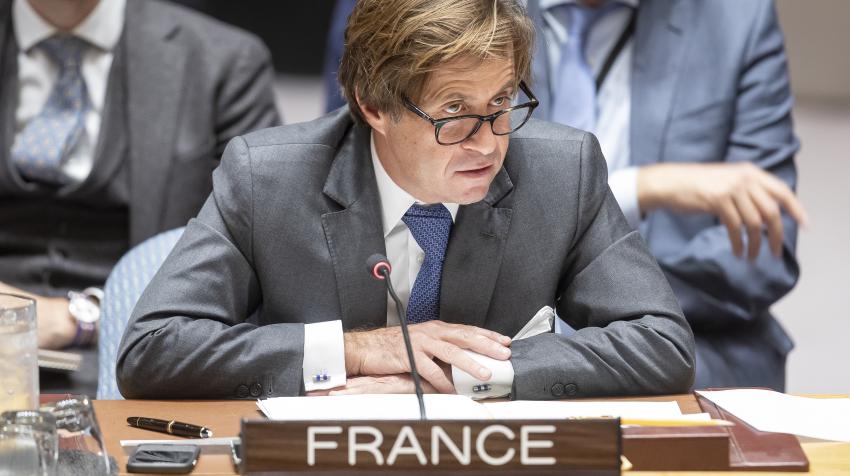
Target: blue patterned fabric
(123, 288)
(47, 139)
(430, 227)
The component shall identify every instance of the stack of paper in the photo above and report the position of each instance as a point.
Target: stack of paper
(458, 407)
(766, 410)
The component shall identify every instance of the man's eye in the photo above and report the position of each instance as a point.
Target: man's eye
(453, 109)
(501, 101)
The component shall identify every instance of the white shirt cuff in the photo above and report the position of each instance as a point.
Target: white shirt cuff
(500, 382)
(623, 184)
(502, 379)
(324, 356)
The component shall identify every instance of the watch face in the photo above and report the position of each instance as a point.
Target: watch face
(84, 310)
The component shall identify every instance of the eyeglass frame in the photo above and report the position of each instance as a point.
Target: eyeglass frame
(491, 118)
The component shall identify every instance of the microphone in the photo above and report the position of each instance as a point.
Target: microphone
(379, 267)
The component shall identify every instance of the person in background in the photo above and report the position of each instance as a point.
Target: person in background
(692, 106)
(114, 114)
(333, 53)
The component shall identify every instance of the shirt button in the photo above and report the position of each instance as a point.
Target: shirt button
(242, 391)
(421, 258)
(256, 389)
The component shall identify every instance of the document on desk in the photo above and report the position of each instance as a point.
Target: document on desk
(455, 407)
(766, 410)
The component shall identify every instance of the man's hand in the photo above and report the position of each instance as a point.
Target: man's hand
(381, 351)
(56, 327)
(739, 194)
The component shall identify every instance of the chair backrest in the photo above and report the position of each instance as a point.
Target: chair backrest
(123, 288)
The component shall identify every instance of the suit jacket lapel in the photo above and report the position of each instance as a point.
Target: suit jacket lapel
(658, 50)
(155, 70)
(355, 232)
(8, 93)
(474, 256)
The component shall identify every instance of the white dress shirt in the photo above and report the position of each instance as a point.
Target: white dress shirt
(323, 342)
(613, 99)
(37, 73)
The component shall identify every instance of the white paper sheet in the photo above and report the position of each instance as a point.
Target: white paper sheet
(453, 407)
(561, 409)
(766, 410)
(371, 407)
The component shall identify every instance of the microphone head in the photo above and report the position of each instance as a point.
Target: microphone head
(378, 264)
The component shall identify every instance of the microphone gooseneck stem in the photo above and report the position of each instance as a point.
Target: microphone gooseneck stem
(402, 317)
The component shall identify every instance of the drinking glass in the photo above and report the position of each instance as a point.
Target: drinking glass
(80, 438)
(18, 353)
(28, 443)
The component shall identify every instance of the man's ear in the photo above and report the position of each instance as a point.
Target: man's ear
(376, 119)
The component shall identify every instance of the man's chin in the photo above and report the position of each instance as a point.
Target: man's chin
(472, 195)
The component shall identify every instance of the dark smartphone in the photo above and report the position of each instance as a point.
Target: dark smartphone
(163, 458)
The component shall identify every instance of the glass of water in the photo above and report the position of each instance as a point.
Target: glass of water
(18, 353)
(28, 443)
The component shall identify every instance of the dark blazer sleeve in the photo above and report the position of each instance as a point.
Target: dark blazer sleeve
(245, 102)
(632, 337)
(712, 284)
(189, 335)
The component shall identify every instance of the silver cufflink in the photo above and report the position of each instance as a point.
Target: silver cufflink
(321, 377)
(484, 387)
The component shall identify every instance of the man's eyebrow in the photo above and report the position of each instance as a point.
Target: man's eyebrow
(447, 93)
(508, 86)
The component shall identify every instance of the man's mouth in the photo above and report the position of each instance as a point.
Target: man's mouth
(476, 172)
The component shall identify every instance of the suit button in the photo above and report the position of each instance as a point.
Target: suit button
(256, 389)
(558, 390)
(570, 389)
(242, 391)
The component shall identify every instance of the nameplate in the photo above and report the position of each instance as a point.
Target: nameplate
(467, 447)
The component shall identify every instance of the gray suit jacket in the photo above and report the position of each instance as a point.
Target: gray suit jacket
(293, 216)
(191, 85)
(710, 84)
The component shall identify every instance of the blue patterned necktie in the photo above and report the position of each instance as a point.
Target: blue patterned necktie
(430, 227)
(45, 142)
(575, 96)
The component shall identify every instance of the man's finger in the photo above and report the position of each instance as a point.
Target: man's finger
(478, 343)
(454, 355)
(780, 191)
(470, 331)
(729, 216)
(430, 372)
(772, 217)
(752, 221)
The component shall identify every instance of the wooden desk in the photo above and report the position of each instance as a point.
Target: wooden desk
(223, 417)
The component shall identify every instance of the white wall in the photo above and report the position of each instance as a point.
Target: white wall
(817, 311)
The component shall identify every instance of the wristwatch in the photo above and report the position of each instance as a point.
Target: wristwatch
(85, 309)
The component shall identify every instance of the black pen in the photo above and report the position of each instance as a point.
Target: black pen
(171, 427)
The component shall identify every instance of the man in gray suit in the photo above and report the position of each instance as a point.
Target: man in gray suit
(267, 292)
(692, 106)
(114, 113)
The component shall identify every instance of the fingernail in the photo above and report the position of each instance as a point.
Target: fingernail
(483, 373)
(506, 352)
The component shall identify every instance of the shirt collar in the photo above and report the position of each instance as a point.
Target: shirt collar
(102, 28)
(394, 200)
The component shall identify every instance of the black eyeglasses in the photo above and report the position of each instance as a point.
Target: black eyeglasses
(456, 129)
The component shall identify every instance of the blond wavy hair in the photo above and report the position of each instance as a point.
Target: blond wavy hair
(391, 46)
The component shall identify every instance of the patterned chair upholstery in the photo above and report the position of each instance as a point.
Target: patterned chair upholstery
(123, 288)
